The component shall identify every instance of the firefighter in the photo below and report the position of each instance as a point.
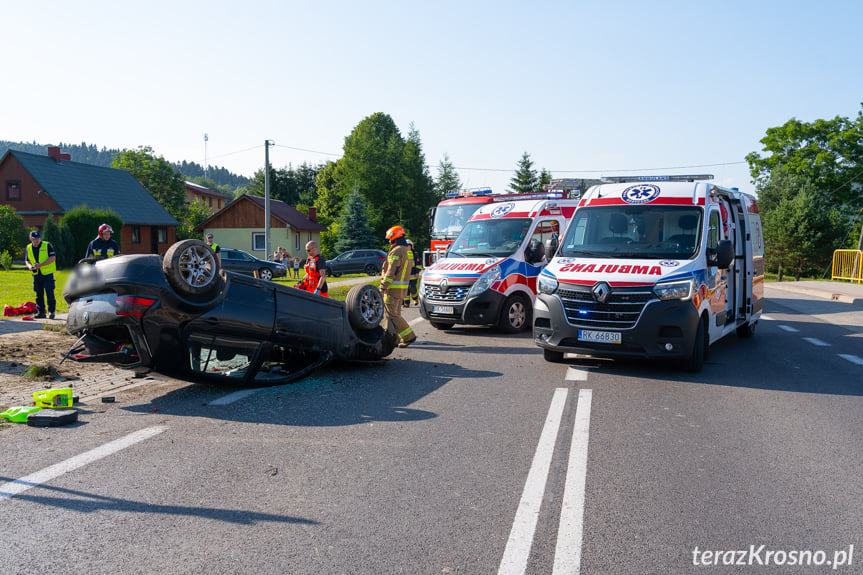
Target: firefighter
(103, 247)
(414, 257)
(394, 284)
(315, 280)
(215, 247)
(40, 257)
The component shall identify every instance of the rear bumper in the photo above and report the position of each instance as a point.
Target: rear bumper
(660, 324)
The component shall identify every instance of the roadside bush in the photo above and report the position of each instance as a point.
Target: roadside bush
(83, 224)
(13, 236)
(6, 260)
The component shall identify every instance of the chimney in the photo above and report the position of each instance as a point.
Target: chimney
(54, 152)
(313, 214)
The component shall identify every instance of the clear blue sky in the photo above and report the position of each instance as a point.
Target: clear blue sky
(586, 88)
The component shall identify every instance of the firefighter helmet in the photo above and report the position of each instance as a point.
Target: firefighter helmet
(105, 228)
(395, 232)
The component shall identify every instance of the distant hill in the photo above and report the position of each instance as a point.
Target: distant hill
(91, 154)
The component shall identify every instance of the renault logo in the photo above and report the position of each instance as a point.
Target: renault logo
(444, 283)
(601, 292)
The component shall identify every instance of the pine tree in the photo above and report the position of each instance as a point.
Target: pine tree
(525, 180)
(447, 179)
(353, 230)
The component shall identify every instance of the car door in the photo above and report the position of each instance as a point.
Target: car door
(307, 321)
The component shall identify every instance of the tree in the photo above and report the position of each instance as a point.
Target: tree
(801, 231)
(158, 177)
(198, 212)
(525, 180)
(354, 232)
(447, 179)
(52, 234)
(544, 177)
(829, 153)
(13, 236)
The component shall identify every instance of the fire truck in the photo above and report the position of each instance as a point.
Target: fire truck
(449, 217)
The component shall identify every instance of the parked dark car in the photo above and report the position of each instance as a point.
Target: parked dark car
(183, 316)
(238, 261)
(368, 262)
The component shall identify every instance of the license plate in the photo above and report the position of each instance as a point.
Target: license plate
(599, 336)
(443, 309)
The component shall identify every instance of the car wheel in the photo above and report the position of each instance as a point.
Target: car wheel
(441, 324)
(365, 306)
(265, 274)
(371, 270)
(695, 361)
(192, 269)
(746, 330)
(515, 315)
(552, 356)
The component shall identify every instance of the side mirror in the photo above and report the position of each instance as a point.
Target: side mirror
(534, 252)
(722, 256)
(551, 246)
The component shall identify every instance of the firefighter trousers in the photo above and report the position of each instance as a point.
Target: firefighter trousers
(395, 322)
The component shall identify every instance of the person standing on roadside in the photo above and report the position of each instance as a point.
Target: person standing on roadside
(316, 271)
(296, 267)
(215, 247)
(40, 257)
(394, 285)
(414, 262)
(103, 246)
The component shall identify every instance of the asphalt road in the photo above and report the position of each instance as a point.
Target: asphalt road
(467, 453)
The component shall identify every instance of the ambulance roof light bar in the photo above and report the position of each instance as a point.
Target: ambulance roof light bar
(689, 178)
(470, 192)
(535, 196)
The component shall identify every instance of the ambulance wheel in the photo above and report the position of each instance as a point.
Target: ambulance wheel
(441, 324)
(746, 330)
(695, 361)
(191, 267)
(365, 306)
(515, 315)
(552, 356)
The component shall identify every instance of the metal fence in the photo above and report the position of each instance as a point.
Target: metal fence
(848, 265)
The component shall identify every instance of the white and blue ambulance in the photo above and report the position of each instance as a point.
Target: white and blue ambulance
(660, 267)
(488, 275)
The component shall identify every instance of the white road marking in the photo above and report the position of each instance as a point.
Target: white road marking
(576, 374)
(766, 317)
(521, 536)
(567, 554)
(817, 342)
(236, 396)
(852, 358)
(12, 488)
(789, 328)
(416, 321)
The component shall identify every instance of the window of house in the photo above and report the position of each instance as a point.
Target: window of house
(297, 241)
(13, 190)
(162, 234)
(136, 234)
(310, 236)
(258, 242)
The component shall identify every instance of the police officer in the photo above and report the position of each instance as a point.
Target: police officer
(394, 284)
(413, 258)
(215, 247)
(103, 246)
(40, 258)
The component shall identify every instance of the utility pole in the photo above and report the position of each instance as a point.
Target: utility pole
(267, 144)
(205, 155)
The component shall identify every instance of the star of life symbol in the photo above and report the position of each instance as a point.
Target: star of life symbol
(640, 194)
(502, 210)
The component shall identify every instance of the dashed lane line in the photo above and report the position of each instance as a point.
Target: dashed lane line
(789, 328)
(12, 488)
(816, 341)
(852, 358)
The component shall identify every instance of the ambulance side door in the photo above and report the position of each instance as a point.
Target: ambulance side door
(717, 278)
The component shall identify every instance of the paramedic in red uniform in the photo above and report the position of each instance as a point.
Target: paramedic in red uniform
(395, 277)
(103, 246)
(316, 272)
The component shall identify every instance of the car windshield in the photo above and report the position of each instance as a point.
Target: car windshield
(221, 356)
(643, 231)
(491, 238)
(449, 220)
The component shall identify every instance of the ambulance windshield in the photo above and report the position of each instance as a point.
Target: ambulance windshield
(649, 232)
(491, 238)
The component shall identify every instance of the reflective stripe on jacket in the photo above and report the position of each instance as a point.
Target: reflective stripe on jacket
(397, 268)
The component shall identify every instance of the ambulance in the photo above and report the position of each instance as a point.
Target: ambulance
(659, 267)
(488, 274)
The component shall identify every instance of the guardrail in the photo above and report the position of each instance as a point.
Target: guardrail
(848, 265)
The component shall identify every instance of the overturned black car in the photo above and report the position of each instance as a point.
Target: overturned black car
(182, 316)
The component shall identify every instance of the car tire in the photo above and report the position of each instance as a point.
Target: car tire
(365, 305)
(191, 268)
(746, 330)
(695, 361)
(515, 315)
(441, 324)
(331, 273)
(552, 356)
(371, 270)
(265, 274)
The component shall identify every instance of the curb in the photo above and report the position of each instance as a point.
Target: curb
(819, 293)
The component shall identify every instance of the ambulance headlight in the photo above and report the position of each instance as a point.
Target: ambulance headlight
(485, 281)
(677, 289)
(546, 284)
